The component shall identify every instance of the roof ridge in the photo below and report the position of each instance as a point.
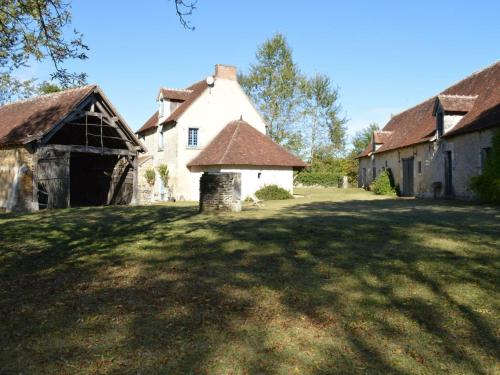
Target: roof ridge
(172, 89)
(230, 141)
(458, 96)
(49, 95)
(472, 75)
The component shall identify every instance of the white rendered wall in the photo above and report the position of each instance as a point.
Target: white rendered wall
(250, 179)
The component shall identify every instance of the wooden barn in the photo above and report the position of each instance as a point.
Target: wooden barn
(66, 149)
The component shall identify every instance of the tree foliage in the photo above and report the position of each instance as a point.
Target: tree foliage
(384, 184)
(302, 114)
(363, 138)
(273, 83)
(35, 29)
(487, 185)
(324, 127)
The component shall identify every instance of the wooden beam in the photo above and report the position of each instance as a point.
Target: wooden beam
(88, 149)
(135, 182)
(120, 131)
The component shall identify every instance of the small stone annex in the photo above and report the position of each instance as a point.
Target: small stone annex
(66, 149)
(434, 148)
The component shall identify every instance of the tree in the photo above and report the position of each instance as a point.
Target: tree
(273, 83)
(363, 138)
(324, 127)
(14, 89)
(184, 9)
(34, 29)
(47, 87)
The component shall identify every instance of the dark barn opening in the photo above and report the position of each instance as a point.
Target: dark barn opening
(90, 178)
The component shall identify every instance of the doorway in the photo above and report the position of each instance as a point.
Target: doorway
(407, 190)
(448, 174)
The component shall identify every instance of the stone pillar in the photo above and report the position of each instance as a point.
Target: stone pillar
(220, 191)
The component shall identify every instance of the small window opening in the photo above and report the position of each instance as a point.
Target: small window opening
(193, 137)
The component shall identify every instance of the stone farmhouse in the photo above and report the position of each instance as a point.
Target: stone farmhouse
(211, 126)
(434, 148)
(66, 149)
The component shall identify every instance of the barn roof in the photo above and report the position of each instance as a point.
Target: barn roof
(478, 96)
(26, 120)
(241, 144)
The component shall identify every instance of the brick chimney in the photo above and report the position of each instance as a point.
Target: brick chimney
(225, 72)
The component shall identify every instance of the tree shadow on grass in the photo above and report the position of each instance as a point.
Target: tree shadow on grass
(319, 288)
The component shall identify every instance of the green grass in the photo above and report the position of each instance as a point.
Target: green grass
(335, 282)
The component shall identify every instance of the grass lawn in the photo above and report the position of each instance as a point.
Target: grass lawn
(335, 282)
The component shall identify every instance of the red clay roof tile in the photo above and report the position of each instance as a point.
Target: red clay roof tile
(241, 144)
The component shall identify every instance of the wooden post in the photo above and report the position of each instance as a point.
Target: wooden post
(135, 188)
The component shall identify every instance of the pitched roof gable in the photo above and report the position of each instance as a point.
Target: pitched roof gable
(418, 124)
(194, 91)
(241, 144)
(24, 119)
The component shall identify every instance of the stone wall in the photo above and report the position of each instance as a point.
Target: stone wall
(16, 179)
(220, 191)
(466, 152)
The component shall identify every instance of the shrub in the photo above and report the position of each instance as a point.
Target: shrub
(318, 178)
(487, 185)
(272, 192)
(383, 184)
(150, 176)
(163, 172)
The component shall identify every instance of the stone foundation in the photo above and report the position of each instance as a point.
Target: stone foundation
(220, 191)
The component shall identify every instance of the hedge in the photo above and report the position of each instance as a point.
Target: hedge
(318, 178)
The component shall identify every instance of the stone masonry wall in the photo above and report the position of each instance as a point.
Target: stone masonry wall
(16, 176)
(220, 191)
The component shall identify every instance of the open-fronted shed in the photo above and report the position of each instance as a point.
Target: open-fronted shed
(70, 148)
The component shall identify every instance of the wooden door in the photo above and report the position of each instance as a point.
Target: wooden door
(407, 190)
(52, 179)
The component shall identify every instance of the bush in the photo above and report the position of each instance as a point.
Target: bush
(318, 178)
(487, 185)
(272, 192)
(383, 184)
(150, 176)
(163, 172)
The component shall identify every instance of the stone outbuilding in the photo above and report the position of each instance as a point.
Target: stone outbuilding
(66, 149)
(434, 148)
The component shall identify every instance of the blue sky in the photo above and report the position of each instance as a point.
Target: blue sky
(384, 56)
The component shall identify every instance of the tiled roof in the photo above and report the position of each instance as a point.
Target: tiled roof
(241, 144)
(457, 103)
(381, 136)
(25, 119)
(175, 94)
(194, 91)
(151, 123)
(418, 125)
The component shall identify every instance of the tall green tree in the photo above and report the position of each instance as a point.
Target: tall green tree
(363, 138)
(273, 83)
(324, 127)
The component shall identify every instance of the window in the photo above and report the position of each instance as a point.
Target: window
(161, 141)
(485, 154)
(162, 107)
(259, 174)
(193, 137)
(386, 163)
(374, 173)
(419, 167)
(440, 124)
